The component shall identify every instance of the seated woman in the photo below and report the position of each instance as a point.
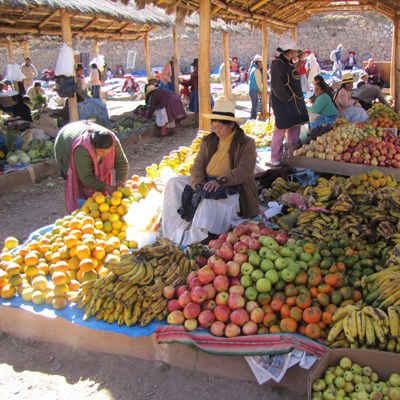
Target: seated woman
(328, 89)
(323, 111)
(129, 85)
(348, 107)
(221, 187)
(19, 109)
(87, 154)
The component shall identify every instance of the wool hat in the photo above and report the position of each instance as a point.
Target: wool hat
(287, 44)
(224, 110)
(370, 59)
(257, 57)
(347, 78)
(150, 89)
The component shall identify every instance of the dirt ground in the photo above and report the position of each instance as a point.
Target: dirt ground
(38, 370)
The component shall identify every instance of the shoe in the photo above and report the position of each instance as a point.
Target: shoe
(172, 131)
(163, 131)
(276, 163)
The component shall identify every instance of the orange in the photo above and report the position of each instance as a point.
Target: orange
(288, 325)
(323, 299)
(55, 257)
(7, 292)
(312, 314)
(303, 300)
(285, 310)
(59, 278)
(90, 242)
(95, 214)
(115, 242)
(31, 270)
(83, 251)
(86, 264)
(13, 268)
(61, 266)
(99, 198)
(331, 279)
(270, 319)
(296, 313)
(59, 302)
(115, 201)
(314, 279)
(275, 329)
(326, 318)
(33, 245)
(75, 224)
(313, 331)
(89, 276)
(98, 253)
(277, 304)
(73, 285)
(88, 228)
(31, 258)
(70, 240)
(87, 220)
(291, 290)
(60, 290)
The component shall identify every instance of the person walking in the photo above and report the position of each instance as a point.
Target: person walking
(95, 81)
(336, 56)
(313, 69)
(256, 84)
(287, 100)
(30, 72)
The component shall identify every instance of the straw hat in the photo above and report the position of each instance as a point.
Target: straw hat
(287, 44)
(257, 57)
(152, 78)
(224, 110)
(347, 78)
(151, 88)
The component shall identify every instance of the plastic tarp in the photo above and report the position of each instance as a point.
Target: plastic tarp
(93, 108)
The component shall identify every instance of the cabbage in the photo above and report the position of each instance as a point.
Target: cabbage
(24, 158)
(35, 144)
(12, 158)
(34, 154)
(19, 152)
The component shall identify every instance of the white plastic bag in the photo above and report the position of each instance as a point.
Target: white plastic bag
(13, 72)
(65, 62)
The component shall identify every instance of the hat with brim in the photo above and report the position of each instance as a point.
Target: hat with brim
(363, 75)
(151, 88)
(195, 62)
(352, 52)
(257, 57)
(152, 78)
(224, 110)
(286, 45)
(348, 78)
(127, 76)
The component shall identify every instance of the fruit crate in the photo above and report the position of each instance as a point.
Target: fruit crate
(382, 362)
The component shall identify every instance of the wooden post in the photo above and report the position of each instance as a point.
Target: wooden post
(395, 73)
(204, 63)
(147, 54)
(11, 60)
(26, 49)
(96, 49)
(176, 58)
(294, 34)
(227, 83)
(264, 98)
(67, 37)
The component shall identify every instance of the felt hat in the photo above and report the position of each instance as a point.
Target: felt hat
(224, 110)
(257, 57)
(287, 44)
(347, 78)
(150, 89)
(195, 62)
(352, 52)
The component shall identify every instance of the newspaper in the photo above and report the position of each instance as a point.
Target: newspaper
(274, 367)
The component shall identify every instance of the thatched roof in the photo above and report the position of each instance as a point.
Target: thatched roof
(94, 19)
(280, 14)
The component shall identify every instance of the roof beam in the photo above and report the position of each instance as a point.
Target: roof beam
(339, 9)
(90, 24)
(258, 5)
(47, 19)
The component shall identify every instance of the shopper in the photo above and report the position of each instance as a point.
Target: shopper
(256, 84)
(30, 72)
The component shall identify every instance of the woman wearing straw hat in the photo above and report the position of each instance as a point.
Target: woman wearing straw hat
(348, 107)
(287, 100)
(221, 187)
(167, 106)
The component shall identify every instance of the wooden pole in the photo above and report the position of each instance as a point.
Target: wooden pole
(204, 63)
(227, 83)
(147, 54)
(294, 34)
(26, 49)
(96, 49)
(176, 58)
(67, 37)
(396, 64)
(393, 58)
(10, 50)
(264, 98)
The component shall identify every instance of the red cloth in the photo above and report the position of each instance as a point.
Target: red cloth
(74, 188)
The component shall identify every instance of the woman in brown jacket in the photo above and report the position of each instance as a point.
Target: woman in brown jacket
(221, 188)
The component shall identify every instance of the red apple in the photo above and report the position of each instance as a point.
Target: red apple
(190, 324)
(249, 328)
(210, 291)
(195, 282)
(240, 258)
(233, 268)
(239, 316)
(234, 281)
(191, 310)
(254, 244)
(232, 330)
(209, 305)
(257, 315)
(217, 328)
(222, 237)
(253, 227)
(245, 239)
(198, 294)
(251, 305)
(240, 247)
(206, 318)
(169, 292)
(221, 299)
(206, 274)
(173, 305)
(266, 231)
(221, 283)
(232, 238)
(222, 313)
(184, 298)
(220, 267)
(176, 318)
(181, 289)
(201, 261)
(239, 230)
(191, 276)
(212, 259)
(214, 244)
(281, 238)
(225, 252)
(235, 301)
(238, 289)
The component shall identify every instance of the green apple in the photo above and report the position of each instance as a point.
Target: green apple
(251, 293)
(272, 255)
(263, 285)
(303, 265)
(280, 263)
(263, 251)
(306, 257)
(295, 266)
(272, 275)
(257, 274)
(286, 252)
(316, 256)
(288, 274)
(299, 251)
(280, 285)
(268, 241)
(250, 252)
(246, 268)
(254, 259)
(246, 281)
(266, 265)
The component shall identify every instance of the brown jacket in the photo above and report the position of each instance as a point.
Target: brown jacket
(242, 154)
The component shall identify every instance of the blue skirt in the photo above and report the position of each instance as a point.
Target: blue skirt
(323, 120)
(194, 102)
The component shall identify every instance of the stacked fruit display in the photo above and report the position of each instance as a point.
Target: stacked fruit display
(260, 131)
(383, 116)
(352, 380)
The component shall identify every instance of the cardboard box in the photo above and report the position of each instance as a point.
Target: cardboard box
(382, 362)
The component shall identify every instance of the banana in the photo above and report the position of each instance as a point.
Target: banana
(137, 309)
(341, 312)
(335, 330)
(139, 275)
(347, 328)
(129, 293)
(360, 317)
(148, 276)
(369, 332)
(146, 303)
(394, 322)
(132, 272)
(391, 345)
(128, 314)
(155, 291)
(390, 300)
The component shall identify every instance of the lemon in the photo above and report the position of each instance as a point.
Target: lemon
(11, 243)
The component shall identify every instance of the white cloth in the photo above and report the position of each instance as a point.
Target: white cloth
(212, 216)
(162, 118)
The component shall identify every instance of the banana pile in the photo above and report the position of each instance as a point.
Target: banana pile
(366, 327)
(280, 186)
(132, 293)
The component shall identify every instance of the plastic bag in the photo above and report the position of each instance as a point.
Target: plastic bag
(65, 86)
(65, 62)
(93, 108)
(13, 72)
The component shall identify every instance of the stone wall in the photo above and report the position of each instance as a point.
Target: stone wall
(368, 34)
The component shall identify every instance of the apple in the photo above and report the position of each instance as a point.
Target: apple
(191, 310)
(262, 330)
(251, 293)
(173, 305)
(263, 252)
(210, 291)
(239, 316)
(220, 267)
(240, 247)
(254, 244)
(289, 274)
(169, 292)
(201, 261)
(206, 318)
(245, 239)
(254, 235)
(184, 298)
(217, 328)
(263, 285)
(266, 265)
(235, 301)
(191, 276)
(198, 295)
(239, 230)
(254, 260)
(195, 282)
(205, 275)
(221, 283)
(222, 237)
(249, 328)
(272, 255)
(257, 315)
(233, 268)
(253, 227)
(263, 299)
(257, 274)
(181, 289)
(222, 313)
(190, 324)
(209, 305)
(232, 330)
(281, 263)
(246, 281)
(269, 242)
(240, 258)
(212, 259)
(214, 244)
(250, 306)
(246, 268)
(238, 289)
(221, 299)
(232, 238)
(225, 252)
(234, 281)
(272, 275)
(176, 318)
(266, 231)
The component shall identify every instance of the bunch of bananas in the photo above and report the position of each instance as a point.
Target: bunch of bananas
(367, 327)
(133, 290)
(197, 249)
(280, 186)
(343, 203)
